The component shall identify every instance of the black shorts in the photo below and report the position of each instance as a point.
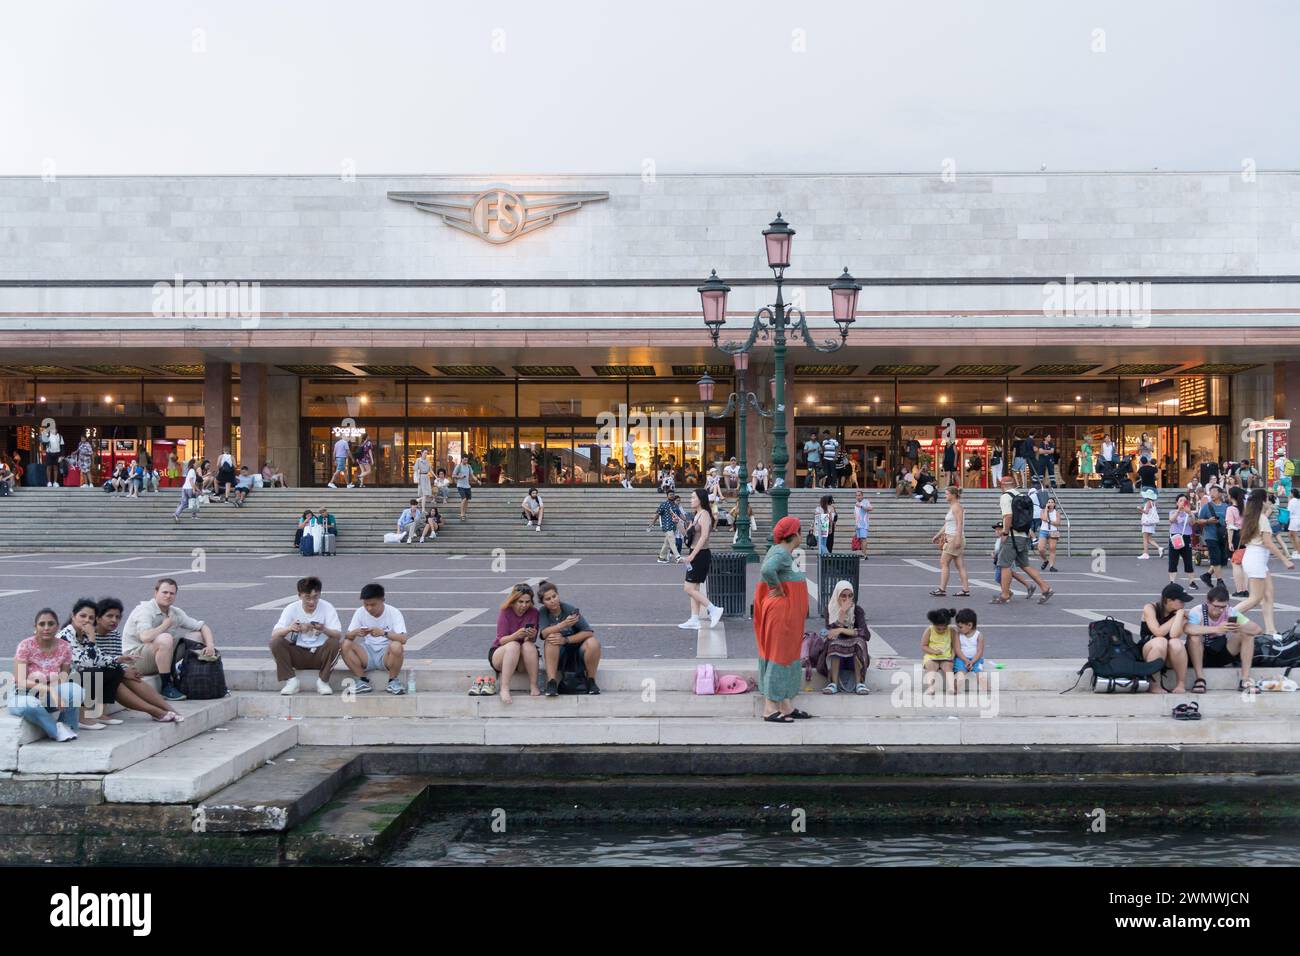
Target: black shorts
(100, 685)
(1218, 553)
(463, 492)
(1217, 654)
(699, 570)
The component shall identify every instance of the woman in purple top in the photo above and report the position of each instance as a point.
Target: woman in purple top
(1180, 532)
(516, 638)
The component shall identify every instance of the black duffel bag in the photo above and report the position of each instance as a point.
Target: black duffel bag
(199, 679)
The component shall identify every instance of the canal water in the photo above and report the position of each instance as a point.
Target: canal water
(847, 846)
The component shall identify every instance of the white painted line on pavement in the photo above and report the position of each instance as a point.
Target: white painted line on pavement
(531, 582)
(168, 574)
(1090, 615)
(397, 574)
(5, 594)
(431, 634)
(29, 554)
(456, 557)
(277, 605)
(1105, 577)
(565, 565)
(953, 578)
(100, 564)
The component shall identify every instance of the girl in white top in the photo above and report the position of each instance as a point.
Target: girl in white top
(711, 486)
(532, 509)
(1150, 518)
(862, 521)
(1049, 531)
(188, 490)
(1258, 539)
(1293, 527)
(759, 477)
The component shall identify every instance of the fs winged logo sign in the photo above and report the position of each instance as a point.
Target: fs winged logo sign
(497, 214)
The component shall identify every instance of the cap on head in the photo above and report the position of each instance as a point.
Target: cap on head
(1173, 591)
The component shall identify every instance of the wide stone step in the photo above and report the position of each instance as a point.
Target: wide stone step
(906, 700)
(667, 676)
(197, 767)
(117, 747)
(949, 730)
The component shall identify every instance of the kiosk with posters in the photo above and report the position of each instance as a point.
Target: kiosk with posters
(1268, 441)
(972, 455)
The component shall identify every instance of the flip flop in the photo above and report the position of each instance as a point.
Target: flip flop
(778, 718)
(800, 715)
(938, 592)
(1188, 711)
(962, 594)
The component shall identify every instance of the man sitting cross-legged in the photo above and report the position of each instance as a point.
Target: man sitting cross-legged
(375, 640)
(307, 636)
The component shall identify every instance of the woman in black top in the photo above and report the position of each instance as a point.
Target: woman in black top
(1148, 475)
(1161, 637)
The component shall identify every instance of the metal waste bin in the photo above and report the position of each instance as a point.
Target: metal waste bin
(833, 568)
(726, 584)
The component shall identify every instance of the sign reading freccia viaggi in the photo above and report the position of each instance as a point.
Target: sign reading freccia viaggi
(498, 214)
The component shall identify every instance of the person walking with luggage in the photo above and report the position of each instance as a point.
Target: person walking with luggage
(1017, 523)
(951, 540)
(780, 609)
(1257, 536)
(1180, 541)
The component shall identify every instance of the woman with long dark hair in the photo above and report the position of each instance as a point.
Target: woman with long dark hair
(1232, 520)
(699, 557)
(1257, 537)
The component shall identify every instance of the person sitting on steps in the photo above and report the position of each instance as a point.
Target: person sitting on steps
(1219, 636)
(157, 631)
(375, 640)
(569, 644)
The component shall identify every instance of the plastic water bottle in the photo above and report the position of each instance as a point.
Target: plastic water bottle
(410, 681)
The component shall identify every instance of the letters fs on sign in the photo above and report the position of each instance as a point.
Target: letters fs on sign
(498, 214)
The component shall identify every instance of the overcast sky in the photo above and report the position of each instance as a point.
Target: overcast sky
(303, 86)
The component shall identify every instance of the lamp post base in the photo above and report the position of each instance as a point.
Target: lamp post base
(780, 503)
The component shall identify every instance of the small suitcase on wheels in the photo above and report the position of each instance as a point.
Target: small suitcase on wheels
(307, 546)
(328, 544)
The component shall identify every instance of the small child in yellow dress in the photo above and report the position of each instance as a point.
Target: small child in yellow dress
(936, 649)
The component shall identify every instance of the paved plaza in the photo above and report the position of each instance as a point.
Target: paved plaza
(450, 601)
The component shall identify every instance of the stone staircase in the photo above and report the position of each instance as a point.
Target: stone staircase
(643, 703)
(579, 521)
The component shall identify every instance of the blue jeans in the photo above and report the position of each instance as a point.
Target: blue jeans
(186, 495)
(821, 545)
(31, 709)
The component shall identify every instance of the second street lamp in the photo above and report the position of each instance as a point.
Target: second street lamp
(772, 321)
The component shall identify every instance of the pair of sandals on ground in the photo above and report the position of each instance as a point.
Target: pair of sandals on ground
(790, 718)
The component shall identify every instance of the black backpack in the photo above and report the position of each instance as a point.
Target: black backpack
(1022, 513)
(1113, 653)
(1272, 652)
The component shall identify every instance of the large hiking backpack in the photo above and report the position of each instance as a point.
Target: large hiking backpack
(1113, 655)
(1271, 651)
(1022, 513)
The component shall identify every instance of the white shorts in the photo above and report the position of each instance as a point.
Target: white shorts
(1148, 528)
(1255, 561)
(1294, 524)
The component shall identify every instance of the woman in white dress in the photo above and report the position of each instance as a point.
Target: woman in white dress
(424, 486)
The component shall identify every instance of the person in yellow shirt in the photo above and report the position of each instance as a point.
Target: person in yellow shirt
(936, 648)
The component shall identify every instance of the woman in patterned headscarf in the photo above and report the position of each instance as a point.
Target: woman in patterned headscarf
(780, 610)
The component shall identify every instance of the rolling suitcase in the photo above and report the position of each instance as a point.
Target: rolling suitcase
(307, 546)
(328, 545)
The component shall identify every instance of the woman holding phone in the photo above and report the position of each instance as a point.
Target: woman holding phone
(516, 640)
(570, 644)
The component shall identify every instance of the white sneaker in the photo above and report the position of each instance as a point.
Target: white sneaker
(351, 486)
(715, 615)
(331, 485)
(692, 623)
(290, 687)
(539, 528)
(63, 732)
(1144, 557)
(323, 688)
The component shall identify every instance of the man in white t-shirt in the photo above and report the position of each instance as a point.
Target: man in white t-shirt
(306, 637)
(375, 640)
(1107, 449)
(1016, 547)
(342, 455)
(189, 489)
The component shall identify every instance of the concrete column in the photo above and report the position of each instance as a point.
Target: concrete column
(252, 415)
(282, 415)
(216, 408)
(1286, 401)
(1252, 397)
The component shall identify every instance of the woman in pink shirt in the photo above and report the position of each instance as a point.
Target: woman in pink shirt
(516, 639)
(44, 693)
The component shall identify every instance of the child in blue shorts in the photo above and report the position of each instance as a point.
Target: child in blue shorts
(968, 655)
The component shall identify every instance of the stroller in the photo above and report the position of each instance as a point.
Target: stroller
(1107, 471)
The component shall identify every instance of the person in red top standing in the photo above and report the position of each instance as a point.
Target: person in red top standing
(780, 610)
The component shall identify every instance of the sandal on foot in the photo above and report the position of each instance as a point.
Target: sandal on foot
(1189, 711)
(962, 594)
(168, 717)
(778, 718)
(861, 689)
(1046, 596)
(938, 592)
(1247, 687)
(1000, 600)
(1198, 686)
(831, 689)
(1029, 591)
(799, 715)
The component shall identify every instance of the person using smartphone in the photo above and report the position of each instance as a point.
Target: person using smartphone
(569, 644)
(516, 641)
(307, 636)
(375, 640)
(1220, 636)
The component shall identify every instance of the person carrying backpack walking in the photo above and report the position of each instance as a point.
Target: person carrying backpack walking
(1017, 524)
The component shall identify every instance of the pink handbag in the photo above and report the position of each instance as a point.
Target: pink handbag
(706, 680)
